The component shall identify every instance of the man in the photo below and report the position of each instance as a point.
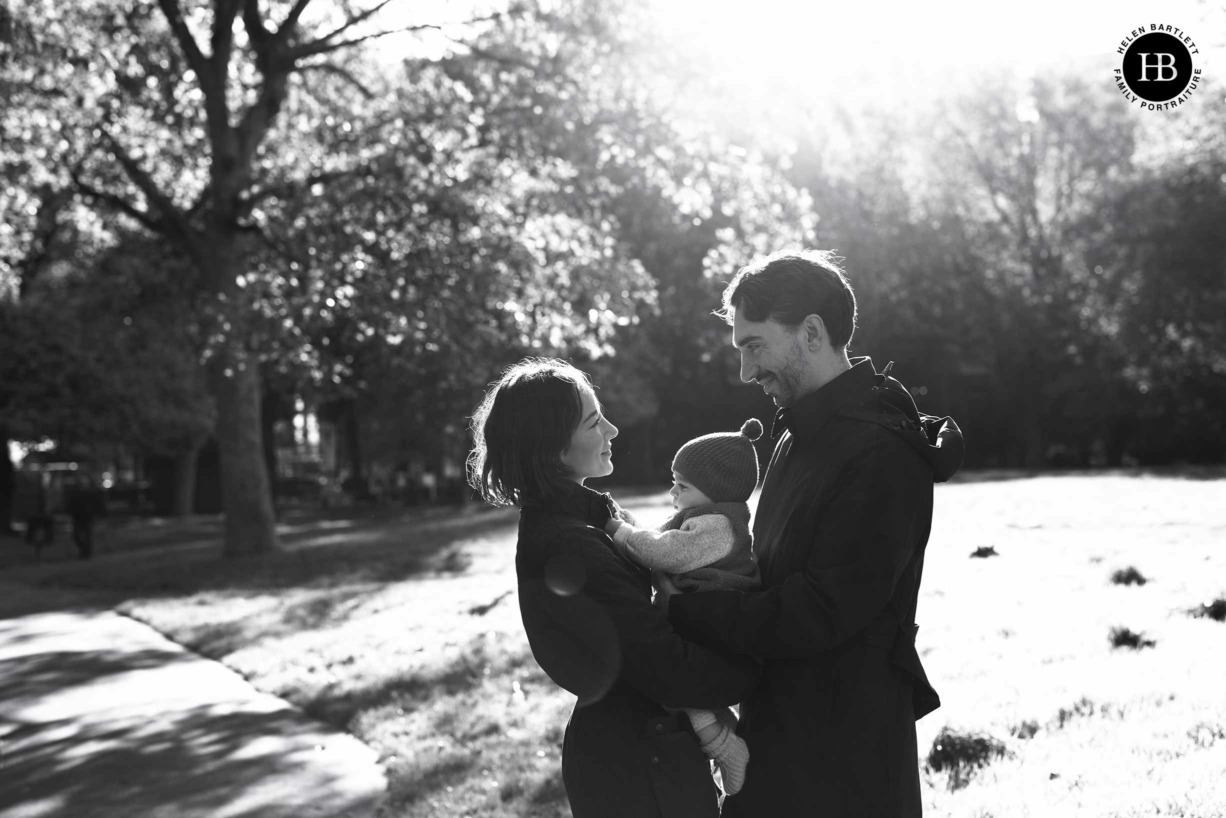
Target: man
(840, 532)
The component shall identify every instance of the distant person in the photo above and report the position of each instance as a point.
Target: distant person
(31, 505)
(539, 435)
(706, 545)
(840, 531)
(86, 502)
(46, 502)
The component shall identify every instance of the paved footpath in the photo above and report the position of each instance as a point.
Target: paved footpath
(103, 717)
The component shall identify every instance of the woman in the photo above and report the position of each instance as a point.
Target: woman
(539, 435)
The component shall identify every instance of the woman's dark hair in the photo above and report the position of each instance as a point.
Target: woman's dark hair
(521, 428)
(790, 285)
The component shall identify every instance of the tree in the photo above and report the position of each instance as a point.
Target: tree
(1029, 167)
(166, 113)
(1164, 268)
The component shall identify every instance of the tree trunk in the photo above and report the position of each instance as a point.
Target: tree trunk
(7, 482)
(270, 411)
(353, 439)
(246, 498)
(184, 501)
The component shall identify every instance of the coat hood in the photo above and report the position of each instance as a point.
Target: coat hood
(936, 439)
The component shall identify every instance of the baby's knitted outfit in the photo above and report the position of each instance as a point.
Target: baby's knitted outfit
(703, 548)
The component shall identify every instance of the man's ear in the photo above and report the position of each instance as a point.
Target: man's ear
(815, 332)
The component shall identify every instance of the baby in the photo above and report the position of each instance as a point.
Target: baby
(706, 545)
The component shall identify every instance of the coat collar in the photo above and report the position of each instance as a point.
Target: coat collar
(812, 411)
(578, 502)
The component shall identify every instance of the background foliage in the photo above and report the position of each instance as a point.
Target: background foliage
(1037, 259)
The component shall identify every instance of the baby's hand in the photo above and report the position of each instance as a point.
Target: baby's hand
(620, 513)
(612, 525)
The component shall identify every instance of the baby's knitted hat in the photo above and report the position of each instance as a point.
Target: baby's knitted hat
(724, 465)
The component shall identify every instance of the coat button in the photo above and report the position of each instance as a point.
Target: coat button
(655, 759)
(659, 727)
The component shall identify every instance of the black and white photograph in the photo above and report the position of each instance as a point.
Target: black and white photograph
(612, 409)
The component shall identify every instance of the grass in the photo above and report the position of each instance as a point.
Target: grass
(1128, 576)
(1121, 637)
(1215, 610)
(404, 629)
(959, 755)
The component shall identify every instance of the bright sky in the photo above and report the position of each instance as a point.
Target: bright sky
(950, 31)
(771, 63)
(851, 44)
(780, 52)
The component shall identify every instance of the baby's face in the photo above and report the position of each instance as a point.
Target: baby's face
(686, 496)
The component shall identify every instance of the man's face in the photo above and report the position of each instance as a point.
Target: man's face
(773, 356)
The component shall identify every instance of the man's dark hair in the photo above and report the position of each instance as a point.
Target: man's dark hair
(521, 428)
(788, 286)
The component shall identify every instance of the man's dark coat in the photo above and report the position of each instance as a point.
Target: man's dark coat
(840, 531)
(589, 619)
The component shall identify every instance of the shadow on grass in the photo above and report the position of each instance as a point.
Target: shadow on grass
(462, 675)
(418, 780)
(321, 553)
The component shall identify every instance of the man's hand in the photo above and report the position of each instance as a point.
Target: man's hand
(665, 588)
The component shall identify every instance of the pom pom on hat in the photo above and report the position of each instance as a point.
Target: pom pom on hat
(724, 465)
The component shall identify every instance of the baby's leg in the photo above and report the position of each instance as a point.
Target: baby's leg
(705, 723)
(720, 742)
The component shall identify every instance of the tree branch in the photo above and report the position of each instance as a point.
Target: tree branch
(224, 13)
(322, 46)
(344, 74)
(118, 203)
(141, 178)
(984, 171)
(355, 20)
(259, 116)
(210, 73)
(291, 20)
(173, 222)
(504, 59)
(319, 178)
(195, 58)
(262, 40)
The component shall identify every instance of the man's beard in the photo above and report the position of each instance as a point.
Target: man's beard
(790, 376)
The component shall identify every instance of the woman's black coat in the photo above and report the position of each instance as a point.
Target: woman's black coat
(591, 625)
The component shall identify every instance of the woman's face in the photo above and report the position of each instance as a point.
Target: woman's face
(590, 453)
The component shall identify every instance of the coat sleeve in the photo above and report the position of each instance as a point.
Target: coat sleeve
(863, 541)
(699, 542)
(590, 622)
